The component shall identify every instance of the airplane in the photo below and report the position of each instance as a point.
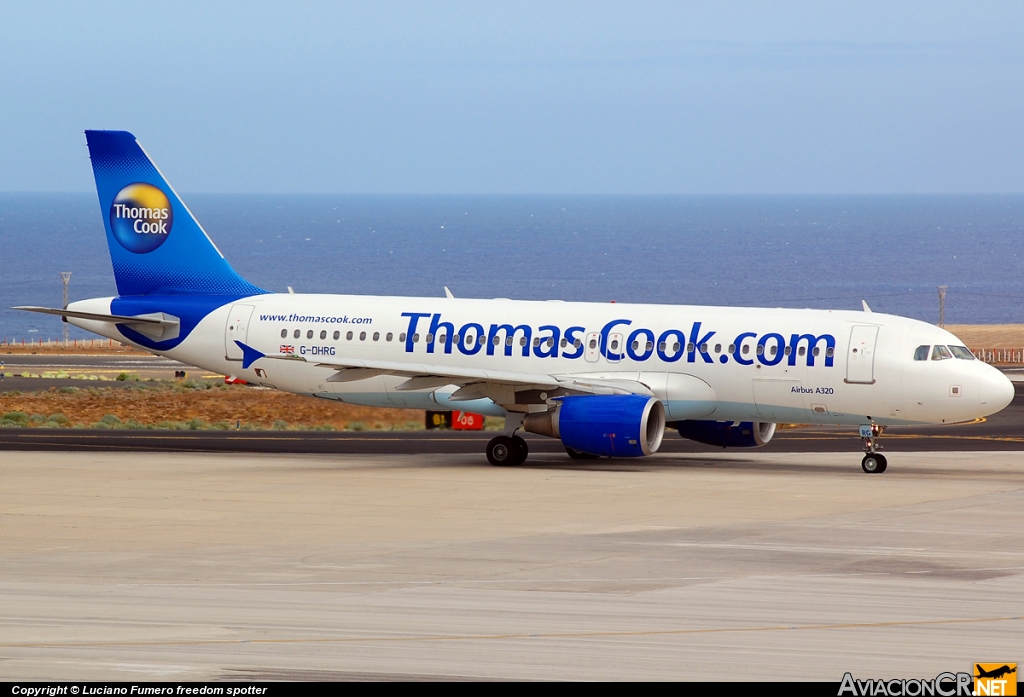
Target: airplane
(605, 379)
(995, 673)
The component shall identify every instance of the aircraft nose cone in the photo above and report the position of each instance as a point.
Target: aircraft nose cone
(995, 391)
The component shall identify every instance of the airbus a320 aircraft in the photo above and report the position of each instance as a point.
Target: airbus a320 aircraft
(605, 379)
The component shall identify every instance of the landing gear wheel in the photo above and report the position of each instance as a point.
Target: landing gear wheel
(522, 450)
(580, 455)
(873, 463)
(507, 452)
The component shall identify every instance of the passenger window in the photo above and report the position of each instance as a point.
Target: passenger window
(802, 350)
(442, 338)
(430, 338)
(675, 347)
(388, 336)
(376, 336)
(816, 351)
(577, 343)
(536, 341)
(760, 349)
(348, 336)
(456, 339)
(788, 350)
(962, 352)
(416, 338)
(522, 341)
(732, 348)
(830, 351)
(323, 334)
(661, 346)
(309, 334)
(284, 333)
(921, 353)
(481, 340)
(746, 349)
(564, 342)
(297, 334)
(362, 336)
(593, 343)
(649, 346)
(615, 345)
(689, 347)
(703, 348)
(636, 345)
(718, 348)
(551, 341)
(401, 337)
(940, 353)
(775, 349)
(337, 335)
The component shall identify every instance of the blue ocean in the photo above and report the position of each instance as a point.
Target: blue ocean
(776, 251)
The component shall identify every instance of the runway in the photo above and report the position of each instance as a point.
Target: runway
(194, 566)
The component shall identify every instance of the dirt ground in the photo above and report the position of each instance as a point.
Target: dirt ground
(204, 405)
(978, 336)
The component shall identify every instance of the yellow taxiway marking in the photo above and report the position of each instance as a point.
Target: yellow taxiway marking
(511, 636)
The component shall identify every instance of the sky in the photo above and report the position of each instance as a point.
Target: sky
(521, 97)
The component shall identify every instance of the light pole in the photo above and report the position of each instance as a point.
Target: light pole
(942, 305)
(65, 277)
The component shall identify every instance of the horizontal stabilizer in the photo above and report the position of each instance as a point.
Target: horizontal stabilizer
(158, 325)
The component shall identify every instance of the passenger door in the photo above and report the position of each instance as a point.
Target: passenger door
(237, 329)
(860, 357)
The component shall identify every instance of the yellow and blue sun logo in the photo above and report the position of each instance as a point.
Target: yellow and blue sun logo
(141, 217)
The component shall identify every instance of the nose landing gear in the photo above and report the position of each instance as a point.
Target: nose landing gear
(873, 462)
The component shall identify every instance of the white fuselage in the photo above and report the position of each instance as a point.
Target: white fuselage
(714, 363)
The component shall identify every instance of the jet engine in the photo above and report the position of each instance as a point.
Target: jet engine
(727, 434)
(611, 425)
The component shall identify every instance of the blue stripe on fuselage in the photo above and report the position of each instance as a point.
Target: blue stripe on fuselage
(189, 309)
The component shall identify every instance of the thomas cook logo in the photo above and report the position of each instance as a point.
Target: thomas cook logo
(141, 217)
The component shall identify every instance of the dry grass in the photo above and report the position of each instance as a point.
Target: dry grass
(195, 404)
(978, 336)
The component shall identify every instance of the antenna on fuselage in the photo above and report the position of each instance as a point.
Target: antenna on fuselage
(864, 304)
(448, 293)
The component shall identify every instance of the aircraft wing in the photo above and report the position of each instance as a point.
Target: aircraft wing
(500, 385)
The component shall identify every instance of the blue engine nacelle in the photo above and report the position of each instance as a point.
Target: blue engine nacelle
(727, 434)
(626, 425)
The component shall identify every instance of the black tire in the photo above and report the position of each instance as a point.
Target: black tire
(522, 450)
(873, 464)
(580, 455)
(502, 452)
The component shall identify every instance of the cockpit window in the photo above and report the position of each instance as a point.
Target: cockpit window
(921, 354)
(940, 353)
(962, 352)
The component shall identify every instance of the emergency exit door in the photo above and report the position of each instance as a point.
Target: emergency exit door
(860, 358)
(237, 329)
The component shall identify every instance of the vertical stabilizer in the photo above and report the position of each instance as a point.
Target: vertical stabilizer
(156, 245)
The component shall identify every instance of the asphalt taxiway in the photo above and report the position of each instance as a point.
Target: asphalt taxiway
(195, 566)
(133, 555)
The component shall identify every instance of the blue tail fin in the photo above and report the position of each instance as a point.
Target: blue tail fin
(156, 245)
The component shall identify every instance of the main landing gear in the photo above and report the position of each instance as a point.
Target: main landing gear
(873, 462)
(507, 451)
